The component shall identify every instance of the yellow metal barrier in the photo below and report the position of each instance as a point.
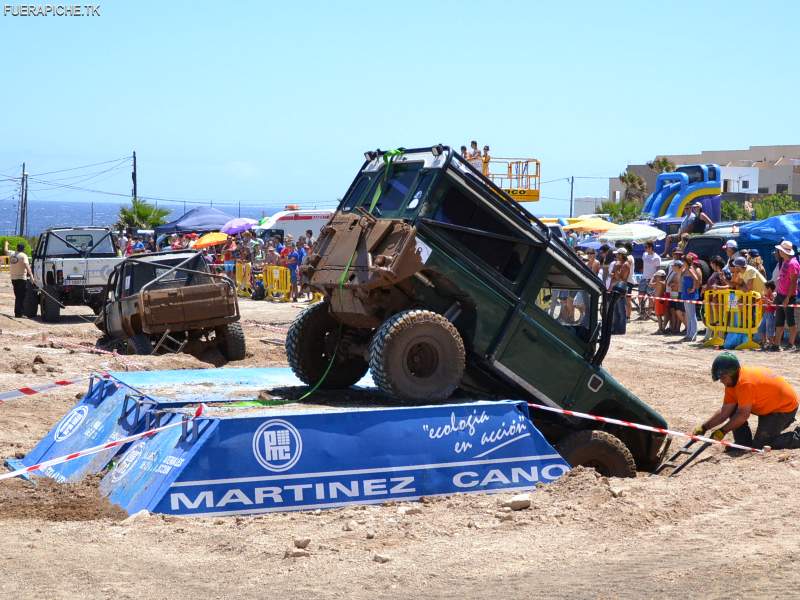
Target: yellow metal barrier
(4, 263)
(732, 311)
(277, 283)
(244, 273)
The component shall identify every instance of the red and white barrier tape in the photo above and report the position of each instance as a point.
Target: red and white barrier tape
(30, 391)
(641, 427)
(670, 299)
(96, 449)
(95, 350)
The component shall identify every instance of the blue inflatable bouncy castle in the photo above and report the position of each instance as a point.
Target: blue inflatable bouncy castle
(686, 185)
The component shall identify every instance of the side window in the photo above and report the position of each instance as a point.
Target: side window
(472, 222)
(568, 303)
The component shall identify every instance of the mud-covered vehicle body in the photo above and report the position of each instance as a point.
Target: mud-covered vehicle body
(70, 268)
(435, 279)
(170, 301)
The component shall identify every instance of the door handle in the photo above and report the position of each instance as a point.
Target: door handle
(530, 335)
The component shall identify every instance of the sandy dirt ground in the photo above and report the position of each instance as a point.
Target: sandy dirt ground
(727, 527)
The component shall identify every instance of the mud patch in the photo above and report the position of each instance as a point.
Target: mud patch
(51, 501)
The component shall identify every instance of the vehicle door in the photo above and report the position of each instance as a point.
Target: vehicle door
(113, 309)
(37, 261)
(485, 255)
(546, 343)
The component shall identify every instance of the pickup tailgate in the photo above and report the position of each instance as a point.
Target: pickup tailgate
(189, 307)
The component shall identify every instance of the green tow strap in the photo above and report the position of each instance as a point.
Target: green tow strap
(388, 160)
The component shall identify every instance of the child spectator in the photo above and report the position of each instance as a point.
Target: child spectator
(767, 327)
(659, 285)
(673, 291)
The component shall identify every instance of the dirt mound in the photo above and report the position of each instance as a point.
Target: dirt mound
(51, 501)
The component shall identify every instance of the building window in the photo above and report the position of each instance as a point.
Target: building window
(745, 184)
(782, 188)
(763, 190)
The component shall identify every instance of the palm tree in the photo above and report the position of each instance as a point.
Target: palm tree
(635, 187)
(661, 164)
(141, 215)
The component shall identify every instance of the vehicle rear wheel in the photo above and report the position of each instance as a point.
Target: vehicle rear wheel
(140, 344)
(417, 355)
(600, 450)
(311, 343)
(230, 341)
(31, 305)
(51, 309)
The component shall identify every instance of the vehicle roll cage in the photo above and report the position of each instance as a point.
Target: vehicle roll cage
(170, 269)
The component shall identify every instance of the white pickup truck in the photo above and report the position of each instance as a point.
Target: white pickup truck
(71, 265)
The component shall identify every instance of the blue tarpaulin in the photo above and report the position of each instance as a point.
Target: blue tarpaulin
(772, 230)
(201, 219)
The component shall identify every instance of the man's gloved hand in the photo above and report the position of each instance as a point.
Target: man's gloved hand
(718, 435)
(699, 430)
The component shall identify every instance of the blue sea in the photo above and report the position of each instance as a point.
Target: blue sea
(44, 214)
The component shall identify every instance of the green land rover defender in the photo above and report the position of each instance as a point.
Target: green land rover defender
(436, 280)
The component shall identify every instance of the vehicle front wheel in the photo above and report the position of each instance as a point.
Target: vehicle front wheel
(31, 304)
(311, 348)
(140, 344)
(417, 355)
(230, 341)
(51, 309)
(600, 450)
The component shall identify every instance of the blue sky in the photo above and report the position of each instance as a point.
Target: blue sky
(267, 102)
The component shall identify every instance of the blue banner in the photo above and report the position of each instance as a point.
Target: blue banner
(282, 460)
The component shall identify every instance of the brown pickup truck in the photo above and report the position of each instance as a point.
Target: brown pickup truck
(170, 301)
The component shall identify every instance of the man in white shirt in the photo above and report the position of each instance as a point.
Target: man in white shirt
(474, 156)
(651, 262)
(20, 269)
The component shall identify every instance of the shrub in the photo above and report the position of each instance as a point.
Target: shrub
(12, 241)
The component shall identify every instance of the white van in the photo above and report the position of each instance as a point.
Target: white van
(294, 222)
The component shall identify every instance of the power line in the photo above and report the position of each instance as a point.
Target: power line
(105, 162)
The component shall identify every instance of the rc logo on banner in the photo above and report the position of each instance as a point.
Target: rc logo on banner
(277, 445)
(70, 423)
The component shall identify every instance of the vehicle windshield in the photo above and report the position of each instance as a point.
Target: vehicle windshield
(94, 242)
(397, 196)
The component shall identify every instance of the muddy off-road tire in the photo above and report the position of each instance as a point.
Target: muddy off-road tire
(600, 450)
(417, 355)
(139, 344)
(310, 343)
(30, 306)
(230, 341)
(51, 310)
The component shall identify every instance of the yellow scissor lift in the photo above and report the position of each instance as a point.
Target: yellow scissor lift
(518, 177)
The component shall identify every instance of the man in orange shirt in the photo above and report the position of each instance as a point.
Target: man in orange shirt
(758, 391)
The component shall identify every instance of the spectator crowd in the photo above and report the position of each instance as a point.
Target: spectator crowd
(672, 289)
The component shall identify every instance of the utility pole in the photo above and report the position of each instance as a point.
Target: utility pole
(92, 222)
(184, 207)
(240, 208)
(571, 189)
(23, 204)
(134, 193)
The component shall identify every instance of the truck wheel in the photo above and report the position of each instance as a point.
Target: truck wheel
(31, 305)
(417, 355)
(312, 339)
(599, 450)
(51, 310)
(230, 341)
(139, 344)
